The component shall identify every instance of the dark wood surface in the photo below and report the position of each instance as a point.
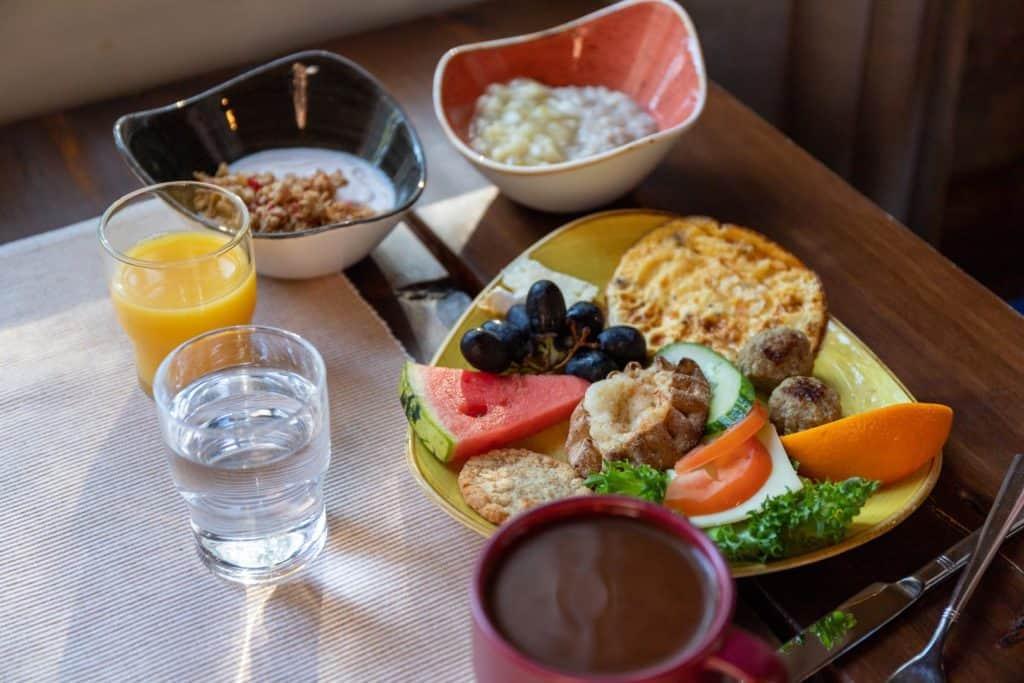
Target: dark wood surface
(947, 337)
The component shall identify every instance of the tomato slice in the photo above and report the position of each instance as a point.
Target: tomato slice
(723, 484)
(726, 443)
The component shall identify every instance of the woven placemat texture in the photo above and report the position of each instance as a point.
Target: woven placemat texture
(100, 579)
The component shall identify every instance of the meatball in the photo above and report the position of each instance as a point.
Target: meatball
(801, 403)
(773, 355)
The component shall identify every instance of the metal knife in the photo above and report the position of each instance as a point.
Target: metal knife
(855, 620)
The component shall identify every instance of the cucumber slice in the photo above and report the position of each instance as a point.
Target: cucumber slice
(732, 394)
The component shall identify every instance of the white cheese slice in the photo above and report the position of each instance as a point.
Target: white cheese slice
(498, 301)
(783, 478)
(522, 273)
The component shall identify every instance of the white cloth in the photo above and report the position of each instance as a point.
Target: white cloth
(100, 579)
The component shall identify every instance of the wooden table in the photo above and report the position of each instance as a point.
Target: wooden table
(947, 337)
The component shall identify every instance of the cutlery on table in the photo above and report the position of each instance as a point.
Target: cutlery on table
(862, 615)
(927, 667)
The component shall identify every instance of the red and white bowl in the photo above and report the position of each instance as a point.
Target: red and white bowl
(645, 48)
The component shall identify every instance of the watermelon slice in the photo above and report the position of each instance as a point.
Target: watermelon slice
(456, 414)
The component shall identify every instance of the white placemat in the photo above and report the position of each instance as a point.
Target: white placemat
(101, 581)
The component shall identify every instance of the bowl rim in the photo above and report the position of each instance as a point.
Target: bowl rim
(548, 169)
(417, 145)
(159, 189)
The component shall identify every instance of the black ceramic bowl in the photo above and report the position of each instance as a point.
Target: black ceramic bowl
(340, 106)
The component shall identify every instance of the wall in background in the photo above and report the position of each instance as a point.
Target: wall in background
(60, 53)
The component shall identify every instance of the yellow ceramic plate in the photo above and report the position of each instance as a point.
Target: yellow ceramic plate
(589, 248)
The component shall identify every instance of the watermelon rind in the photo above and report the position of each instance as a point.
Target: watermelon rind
(426, 427)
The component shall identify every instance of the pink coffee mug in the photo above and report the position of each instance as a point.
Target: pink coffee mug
(723, 648)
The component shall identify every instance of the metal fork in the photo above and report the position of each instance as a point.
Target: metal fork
(927, 666)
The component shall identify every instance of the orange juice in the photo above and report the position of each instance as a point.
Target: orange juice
(186, 291)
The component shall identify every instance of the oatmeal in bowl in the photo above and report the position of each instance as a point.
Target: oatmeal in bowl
(570, 118)
(526, 123)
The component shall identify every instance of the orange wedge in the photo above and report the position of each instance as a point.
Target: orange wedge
(886, 444)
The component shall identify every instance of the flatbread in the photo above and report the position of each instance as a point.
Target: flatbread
(507, 481)
(696, 280)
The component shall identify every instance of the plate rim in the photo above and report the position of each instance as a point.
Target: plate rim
(738, 570)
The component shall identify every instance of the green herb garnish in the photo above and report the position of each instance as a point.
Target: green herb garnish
(830, 630)
(622, 476)
(833, 627)
(817, 515)
(789, 646)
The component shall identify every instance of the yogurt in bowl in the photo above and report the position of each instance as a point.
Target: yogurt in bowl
(365, 185)
(295, 189)
(256, 124)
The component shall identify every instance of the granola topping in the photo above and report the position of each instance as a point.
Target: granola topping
(290, 203)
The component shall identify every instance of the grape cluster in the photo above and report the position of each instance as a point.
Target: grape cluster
(542, 336)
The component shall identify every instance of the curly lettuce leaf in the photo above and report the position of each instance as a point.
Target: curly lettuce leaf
(817, 515)
(625, 478)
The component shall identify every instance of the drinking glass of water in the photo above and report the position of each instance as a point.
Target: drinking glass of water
(244, 411)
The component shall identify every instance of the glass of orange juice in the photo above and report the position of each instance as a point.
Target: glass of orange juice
(179, 262)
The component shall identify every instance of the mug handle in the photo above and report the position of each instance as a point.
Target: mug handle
(746, 658)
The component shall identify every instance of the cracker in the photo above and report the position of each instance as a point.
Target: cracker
(507, 481)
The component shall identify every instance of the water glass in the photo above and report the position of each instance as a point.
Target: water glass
(245, 414)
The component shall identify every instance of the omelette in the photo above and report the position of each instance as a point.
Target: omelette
(694, 279)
